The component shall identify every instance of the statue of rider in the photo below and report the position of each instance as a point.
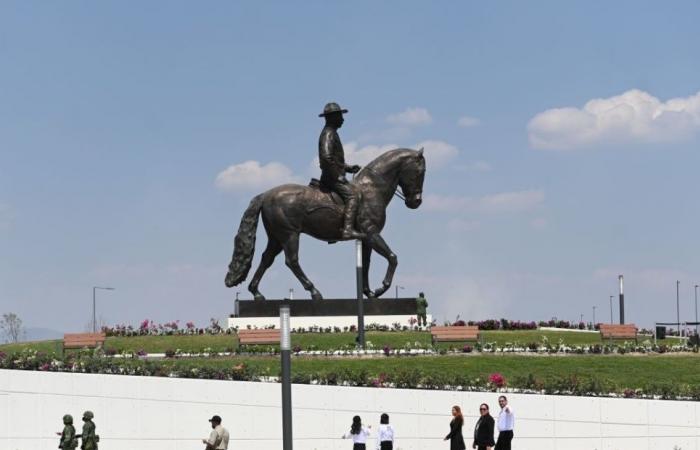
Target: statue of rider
(333, 168)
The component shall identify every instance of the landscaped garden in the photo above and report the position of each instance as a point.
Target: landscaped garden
(556, 361)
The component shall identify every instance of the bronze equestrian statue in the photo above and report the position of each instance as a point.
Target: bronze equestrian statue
(319, 211)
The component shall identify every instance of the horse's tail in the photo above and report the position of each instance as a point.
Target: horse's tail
(244, 244)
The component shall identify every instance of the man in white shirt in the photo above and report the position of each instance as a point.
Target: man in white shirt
(506, 423)
(218, 438)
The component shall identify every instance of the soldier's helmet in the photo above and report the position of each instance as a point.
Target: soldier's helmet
(88, 415)
(67, 419)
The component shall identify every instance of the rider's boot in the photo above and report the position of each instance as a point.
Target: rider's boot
(349, 232)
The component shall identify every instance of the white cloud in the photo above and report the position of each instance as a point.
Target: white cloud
(355, 154)
(250, 175)
(504, 202)
(437, 153)
(634, 116)
(468, 121)
(411, 117)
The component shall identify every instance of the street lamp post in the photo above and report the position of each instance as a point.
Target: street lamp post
(594, 317)
(397, 291)
(696, 309)
(678, 307)
(94, 315)
(611, 310)
(360, 302)
(285, 350)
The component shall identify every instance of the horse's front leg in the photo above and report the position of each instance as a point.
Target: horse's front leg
(366, 255)
(378, 245)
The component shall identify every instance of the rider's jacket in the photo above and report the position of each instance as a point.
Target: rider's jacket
(331, 156)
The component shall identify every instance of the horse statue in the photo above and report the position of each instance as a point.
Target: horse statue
(291, 209)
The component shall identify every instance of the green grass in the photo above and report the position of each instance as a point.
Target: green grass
(319, 341)
(624, 372)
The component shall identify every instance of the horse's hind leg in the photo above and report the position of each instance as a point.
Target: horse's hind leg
(291, 254)
(268, 257)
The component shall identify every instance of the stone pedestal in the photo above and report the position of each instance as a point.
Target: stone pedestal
(324, 313)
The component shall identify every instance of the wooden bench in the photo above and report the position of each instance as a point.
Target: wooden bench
(252, 337)
(626, 331)
(82, 340)
(456, 333)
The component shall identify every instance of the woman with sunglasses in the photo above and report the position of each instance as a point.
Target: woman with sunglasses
(455, 435)
(483, 431)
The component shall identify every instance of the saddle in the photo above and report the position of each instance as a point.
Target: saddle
(337, 200)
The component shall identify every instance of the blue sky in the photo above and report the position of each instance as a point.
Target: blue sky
(124, 130)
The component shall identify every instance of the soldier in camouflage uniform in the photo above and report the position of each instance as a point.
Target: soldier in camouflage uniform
(68, 440)
(421, 305)
(90, 439)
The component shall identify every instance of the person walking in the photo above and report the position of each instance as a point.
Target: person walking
(506, 423)
(385, 434)
(483, 431)
(455, 435)
(88, 436)
(218, 438)
(358, 434)
(68, 440)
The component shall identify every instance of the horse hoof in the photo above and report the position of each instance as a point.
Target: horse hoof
(315, 295)
(370, 295)
(258, 297)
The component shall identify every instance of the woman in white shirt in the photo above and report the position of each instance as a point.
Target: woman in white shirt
(358, 433)
(385, 435)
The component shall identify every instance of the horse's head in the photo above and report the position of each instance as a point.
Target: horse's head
(411, 176)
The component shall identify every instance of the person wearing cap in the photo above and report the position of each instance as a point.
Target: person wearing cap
(333, 168)
(218, 439)
(68, 440)
(88, 436)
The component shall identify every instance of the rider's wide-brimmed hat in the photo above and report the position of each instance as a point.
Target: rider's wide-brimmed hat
(331, 108)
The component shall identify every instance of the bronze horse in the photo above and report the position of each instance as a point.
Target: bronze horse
(291, 209)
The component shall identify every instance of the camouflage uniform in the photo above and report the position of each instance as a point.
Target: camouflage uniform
(421, 312)
(88, 435)
(68, 440)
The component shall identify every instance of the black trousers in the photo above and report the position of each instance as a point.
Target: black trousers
(386, 445)
(359, 446)
(504, 438)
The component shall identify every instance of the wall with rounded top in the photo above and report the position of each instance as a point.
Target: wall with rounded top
(149, 413)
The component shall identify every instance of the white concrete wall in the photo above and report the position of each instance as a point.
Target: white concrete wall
(147, 413)
(320, 321)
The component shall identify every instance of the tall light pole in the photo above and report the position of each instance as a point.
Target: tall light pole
(678, 307)
(94, 316)
(581, 319)
(397, 290)
(622, 299)
(594, 317)
(285, 350)
(611, 310)
(360, 303)
(696, 309)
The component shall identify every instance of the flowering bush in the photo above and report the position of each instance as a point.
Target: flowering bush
(149, 328)
(467, 349)
(497, 380)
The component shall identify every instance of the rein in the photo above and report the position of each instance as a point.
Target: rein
(397, 192)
